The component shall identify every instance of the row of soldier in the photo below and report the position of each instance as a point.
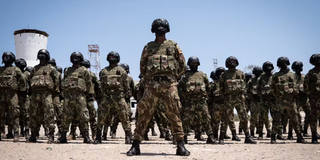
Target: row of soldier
(39, 94)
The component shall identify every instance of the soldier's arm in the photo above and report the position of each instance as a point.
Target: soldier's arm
(306, 83)
(273, 86)
(220, 87)
(21, 80)
(181, 88)
(55, 78)
(132, 87)
(125, 81)
(259, 86)
(206, 82)
(181, 60)
(143, 62)
(97, 87)
(88, 81)
(244, 85)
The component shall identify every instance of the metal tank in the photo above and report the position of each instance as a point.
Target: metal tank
(28, 42)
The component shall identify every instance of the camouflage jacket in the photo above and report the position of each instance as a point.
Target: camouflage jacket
(96, 86)
(11, 78)
(44, 77)
(252, 90)
(77, 80)
(214, 94)
(114, 80)
(264, 86)
(131, 87)
(232, 81)
(162, 59)
(26, 76)
(312, 83)
(139, 90)
(284, 84)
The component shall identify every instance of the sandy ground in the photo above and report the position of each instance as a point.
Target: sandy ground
(157, 148)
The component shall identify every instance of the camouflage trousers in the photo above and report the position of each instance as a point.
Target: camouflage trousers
(116, 118)
(113, 106)
(24, 103)
(75, 109)
(162, 121)
(57, 109)
(315, 111)
(41, 111)
(263, 114)
(216, 111)
(156, 96)
(196, 114)
(282, 104)
(92, 119)
(9, 99)
(238, 102)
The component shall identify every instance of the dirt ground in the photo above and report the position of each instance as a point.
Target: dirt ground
(157, 148)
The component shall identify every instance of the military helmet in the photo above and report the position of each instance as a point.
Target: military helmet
(228, 64)
(283, 60)
(29, 68)
(160, 26)
(193, 59)
(267, 66)
(59, 69)
(213, 75)
(125, 66)
(11, 55)
(52, 61)
(76, 57)
(45, 52)
(219, 71)
(86, 63)
(21, 63)
(315, 59)
(257, 70)
(248, 76)
(113, 56)
(297, 65)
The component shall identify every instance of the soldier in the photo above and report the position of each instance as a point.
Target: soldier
(267, 100)
(284, 88)
(247, 101)
(128, 95)
(97, 96)
(12, 83)
(77, 90)
(301, 98)
(162, 63)
(194, 86)
(232, 85)
(114, 85)
(56, 97)
(312, 89)
(44, 82)
(24, 100)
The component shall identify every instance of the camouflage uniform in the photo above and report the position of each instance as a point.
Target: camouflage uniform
(194, 87)
(11, 83)
(57, 103)
(114, 84)
(90, 104)
(161, 64)
(24, 103)
(267, 101)
(44, 82)
(312, 89)
(232, 85)
(284, 88)
(76, 86)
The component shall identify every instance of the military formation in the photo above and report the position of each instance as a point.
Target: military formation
(178, 97)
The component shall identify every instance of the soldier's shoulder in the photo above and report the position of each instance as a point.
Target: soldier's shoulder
(238, 71)
(172, 42)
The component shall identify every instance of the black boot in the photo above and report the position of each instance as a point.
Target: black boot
(128, 137)
(234, 136)
(33, 137)
(185, 138)
(285, 130)
(249, 139)
(260, 137)
(86, 138)
(50, 138)
(252, 134)
(211, 139)
(199, 136)
(215, 133)
(226, 136)
(162, 134)
(63, 138)
(300, 139)
(135, 148)
(221, 138)
(181, 150)
(280, 137)
(318, 136)
(9, 135)
(146, 136)
(22, 132)
(98, 137)
(268, 134)
(153, 132)
(290, 137)
(273, 139)
(314, 139)
(240, 131)
(16, 137)
(168, 136)
(27, 134)
(305, 131)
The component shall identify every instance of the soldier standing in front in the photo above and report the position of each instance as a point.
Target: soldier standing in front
(162, 63)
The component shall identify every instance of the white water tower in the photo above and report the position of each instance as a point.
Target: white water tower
(28, 42)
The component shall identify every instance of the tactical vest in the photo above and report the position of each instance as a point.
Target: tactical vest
(161, 58)
(111, 80)
(253, 88)
(41, 78)
(26, 76)
(195, 84)
(74, 79)
(8, 78)
(300, 81)
(265, 88)
(234, 82)
(314, 83)
(285, 83)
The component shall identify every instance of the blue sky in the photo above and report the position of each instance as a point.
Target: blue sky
(254, 31)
